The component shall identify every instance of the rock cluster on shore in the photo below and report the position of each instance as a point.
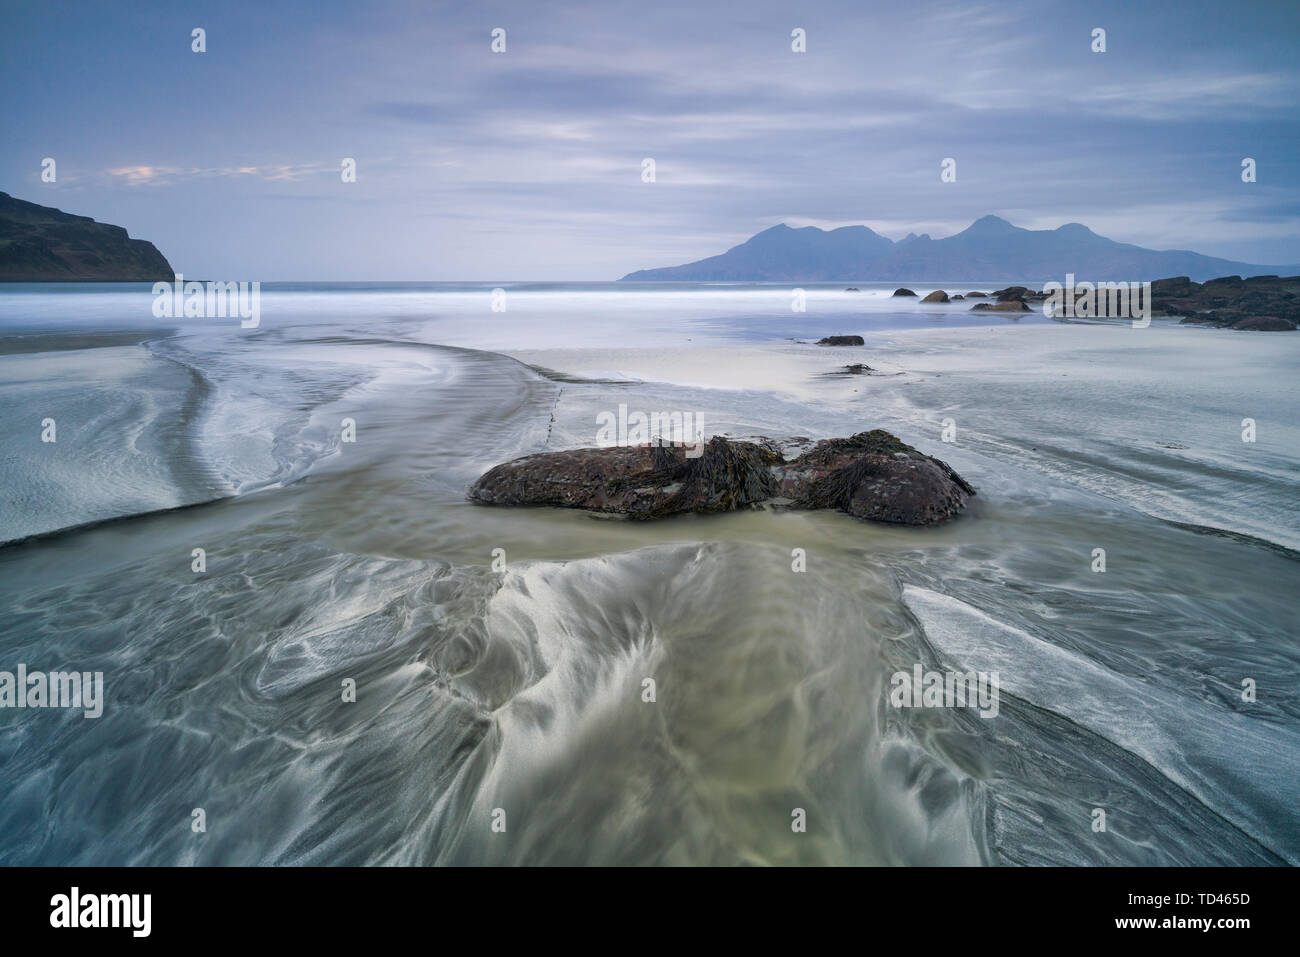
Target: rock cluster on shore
(1011, 299)
(1260, 303)
(871, 475)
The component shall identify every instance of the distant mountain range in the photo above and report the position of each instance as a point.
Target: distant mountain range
(989, 249)
(44, 244)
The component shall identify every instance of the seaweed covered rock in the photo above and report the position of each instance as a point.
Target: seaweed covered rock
(876, 476)
(871, 475)
(643, 481)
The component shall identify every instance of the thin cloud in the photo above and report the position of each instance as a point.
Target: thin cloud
(142, 175)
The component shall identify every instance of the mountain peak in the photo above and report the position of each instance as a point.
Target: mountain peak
(990, 224)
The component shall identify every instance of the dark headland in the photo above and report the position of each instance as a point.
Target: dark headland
(44, 244)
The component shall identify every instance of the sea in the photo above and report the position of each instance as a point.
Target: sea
(315, 650)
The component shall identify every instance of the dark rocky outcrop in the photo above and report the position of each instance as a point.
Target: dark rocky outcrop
(956, 298)
(937, 296)
(871, 475)
(852, 289)
(1018, 294)
(1175, 287)
(644, 481)
(904, 292)
(1009, 305)
(1265, 324)
(857, 368)
(977, 295)
(875, 476)
(842, 341)
(1259, 303)
(43, 244)
(1012, 292)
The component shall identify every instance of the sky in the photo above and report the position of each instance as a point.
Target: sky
(527, 164)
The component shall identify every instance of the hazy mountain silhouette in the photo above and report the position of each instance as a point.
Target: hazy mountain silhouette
(989, 249)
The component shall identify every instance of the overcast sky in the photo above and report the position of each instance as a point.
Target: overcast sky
(527, 164)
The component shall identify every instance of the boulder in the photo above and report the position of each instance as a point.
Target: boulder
(871, 475)
(1177, 286)
(842, 341)
(857, 368)
(1223, 282)
(643, 481)
(904, 292)
(977, 295)
(1011, 292)
(874, 476)
(1010, 305)
(957, 297)
(852, 289)
(937, 296)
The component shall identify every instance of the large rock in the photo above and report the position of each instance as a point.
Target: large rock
(875, 476)
(871, 475)
(643, 481)
(904, 292)
(1176, 286)
(937, 296)
(1009, 305)
(842, 341)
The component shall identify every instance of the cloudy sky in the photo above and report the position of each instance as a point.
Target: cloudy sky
(527, 164)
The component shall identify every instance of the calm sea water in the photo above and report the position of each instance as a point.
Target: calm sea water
(500, 657)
